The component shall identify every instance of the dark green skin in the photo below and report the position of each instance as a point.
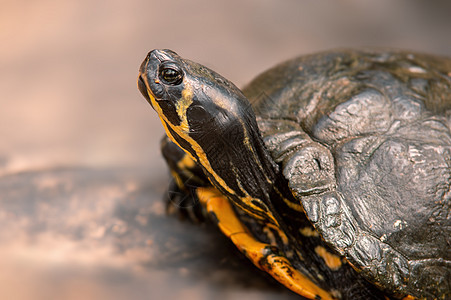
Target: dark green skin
(362, 140)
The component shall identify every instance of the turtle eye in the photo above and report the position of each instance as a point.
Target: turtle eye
(170, 74)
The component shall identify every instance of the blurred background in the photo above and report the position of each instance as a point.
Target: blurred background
(81, 176)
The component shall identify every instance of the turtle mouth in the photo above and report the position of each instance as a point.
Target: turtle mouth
(141, 81)
(143, 88)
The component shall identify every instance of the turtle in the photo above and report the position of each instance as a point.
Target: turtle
(329, 171)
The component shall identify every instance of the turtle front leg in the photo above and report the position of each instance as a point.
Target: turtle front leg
(181, 197)
(265, 256)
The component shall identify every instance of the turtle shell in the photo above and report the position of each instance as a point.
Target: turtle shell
(363, 138)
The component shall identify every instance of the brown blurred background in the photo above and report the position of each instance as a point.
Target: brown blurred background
(80, 171)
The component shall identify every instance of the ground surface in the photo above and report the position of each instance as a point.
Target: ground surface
(102, 234)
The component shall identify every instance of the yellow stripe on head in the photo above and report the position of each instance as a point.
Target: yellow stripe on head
(183, 104)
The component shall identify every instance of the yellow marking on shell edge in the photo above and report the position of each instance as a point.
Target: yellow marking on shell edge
(277, 266)
(332, 261)
(308, 232)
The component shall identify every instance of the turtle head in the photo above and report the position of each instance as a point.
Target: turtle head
(209, 118)
(187, 95)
